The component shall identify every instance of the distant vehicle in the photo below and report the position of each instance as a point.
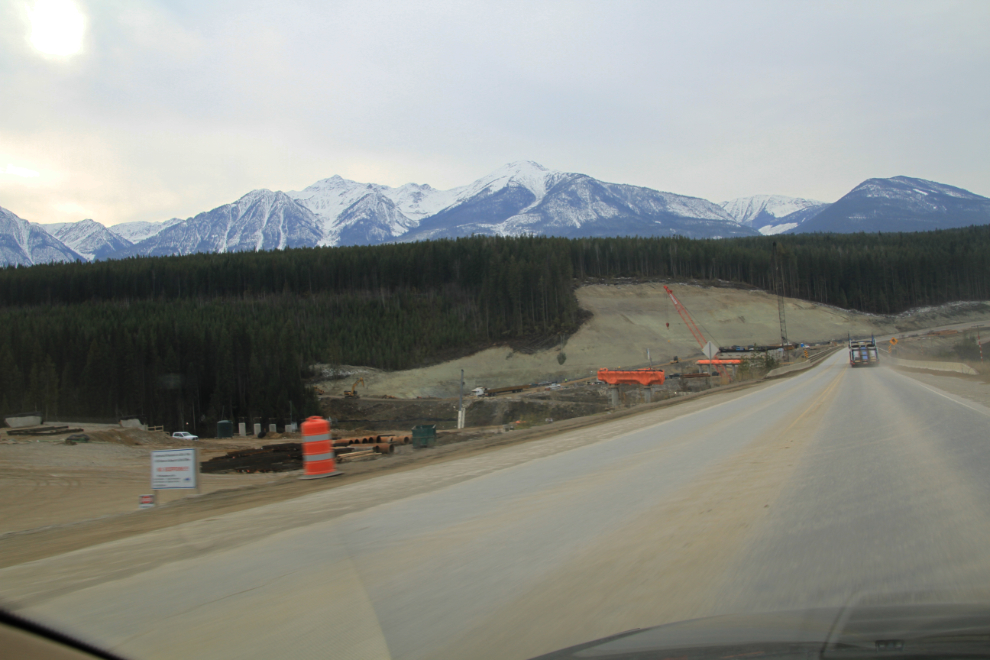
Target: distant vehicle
(863, 353)
(512, 389)
(182, 435)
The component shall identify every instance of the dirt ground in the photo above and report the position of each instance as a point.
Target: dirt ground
(35, 538)
(44, 481)
(628, 319)
(368, 414)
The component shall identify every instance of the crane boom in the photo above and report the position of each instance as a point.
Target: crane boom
(778, 285)
(689, 322)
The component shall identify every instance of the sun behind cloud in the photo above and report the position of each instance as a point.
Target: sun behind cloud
(57, 27)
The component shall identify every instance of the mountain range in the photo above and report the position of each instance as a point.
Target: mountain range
(518, 199)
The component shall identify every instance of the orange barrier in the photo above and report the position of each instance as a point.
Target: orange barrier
(318, 457)
(644, 377)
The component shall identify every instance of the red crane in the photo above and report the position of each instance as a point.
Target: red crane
(692, 326)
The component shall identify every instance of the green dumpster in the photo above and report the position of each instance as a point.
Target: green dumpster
(225, 429)
(424, 436)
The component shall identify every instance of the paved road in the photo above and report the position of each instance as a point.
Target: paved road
(806, 491)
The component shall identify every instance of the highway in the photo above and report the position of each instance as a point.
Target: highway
(806, 491)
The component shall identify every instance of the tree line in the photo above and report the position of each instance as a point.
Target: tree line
(185, 341)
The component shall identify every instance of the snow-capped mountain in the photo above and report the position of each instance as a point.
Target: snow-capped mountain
(527, 198)
(365, 212)
(87, 238)
(25, 243)
(260, 220)
(519, 198)
(139, 230)
(772, 214)
(901, 204)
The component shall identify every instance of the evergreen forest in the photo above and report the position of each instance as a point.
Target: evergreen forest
(185, 341)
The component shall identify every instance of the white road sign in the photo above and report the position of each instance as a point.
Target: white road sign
(174, 468)
(710, 349)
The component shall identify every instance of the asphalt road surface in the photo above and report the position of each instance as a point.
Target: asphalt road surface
(814, 490)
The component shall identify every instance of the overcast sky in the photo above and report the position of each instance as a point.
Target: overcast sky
(145, 110)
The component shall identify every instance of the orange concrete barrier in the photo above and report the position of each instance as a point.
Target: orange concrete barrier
(644, 377)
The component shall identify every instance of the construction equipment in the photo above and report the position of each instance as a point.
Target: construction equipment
(692, 326)
(352, 393)
(778, 286)
(511, 389)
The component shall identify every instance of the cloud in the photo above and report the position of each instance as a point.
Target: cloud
(175, 107)
(20, 171)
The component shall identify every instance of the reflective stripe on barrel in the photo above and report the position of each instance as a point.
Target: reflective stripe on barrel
(319, 457)
(319, 447)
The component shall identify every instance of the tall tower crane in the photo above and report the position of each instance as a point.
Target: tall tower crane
(692, 326)
(778, 286)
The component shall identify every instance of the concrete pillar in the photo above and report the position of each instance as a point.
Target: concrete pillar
(242, 429)
(257, 429)
(271, 428)
(613, 395)
(647, 395)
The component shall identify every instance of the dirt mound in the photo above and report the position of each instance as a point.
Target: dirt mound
(129, 437)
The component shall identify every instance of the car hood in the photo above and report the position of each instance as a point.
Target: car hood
(889, 631)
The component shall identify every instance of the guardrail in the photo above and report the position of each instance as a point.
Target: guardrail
(932, 365)
(812, 361)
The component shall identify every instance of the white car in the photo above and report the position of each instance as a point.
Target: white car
(182, 435)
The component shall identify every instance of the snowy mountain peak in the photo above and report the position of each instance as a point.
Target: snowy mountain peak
(747, 209)
(524, 173)
(25, 243)
(140, 229)
(905, 186)
(772, 214)
(87, 238)
(902, 203)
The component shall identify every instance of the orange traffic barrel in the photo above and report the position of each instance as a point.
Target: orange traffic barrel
(318, 457)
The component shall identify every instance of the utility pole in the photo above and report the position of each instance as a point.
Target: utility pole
(460, 404)
(778, 285)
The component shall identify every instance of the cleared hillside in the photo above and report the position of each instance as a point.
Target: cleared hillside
(629, 318)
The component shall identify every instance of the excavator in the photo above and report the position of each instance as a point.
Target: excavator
(352, 393)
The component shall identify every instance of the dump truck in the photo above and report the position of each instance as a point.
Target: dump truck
(863, 353)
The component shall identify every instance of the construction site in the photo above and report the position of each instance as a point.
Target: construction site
(644, 345)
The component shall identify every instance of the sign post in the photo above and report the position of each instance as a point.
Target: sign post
(174, 469)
